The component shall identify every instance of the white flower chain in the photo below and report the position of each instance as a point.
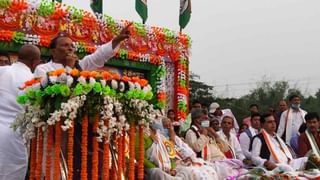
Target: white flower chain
(68, 110)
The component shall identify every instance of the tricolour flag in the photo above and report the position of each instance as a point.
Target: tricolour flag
(142, 9)
(96, 6)
(185, 13)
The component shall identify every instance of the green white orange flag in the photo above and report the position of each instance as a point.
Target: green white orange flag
(185, 13)
(96, 6)
(142, 9)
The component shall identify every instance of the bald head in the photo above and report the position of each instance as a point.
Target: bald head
(29, 55)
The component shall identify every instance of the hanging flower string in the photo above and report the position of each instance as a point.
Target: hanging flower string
(141, 154)
(57, 146)
(33, 158)
(131, 151)
(39, 154)
(84, 148)
(49, 151)
(95, 150)
(70, 152)
(106, 158)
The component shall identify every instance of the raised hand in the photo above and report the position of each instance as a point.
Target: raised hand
(124, 34)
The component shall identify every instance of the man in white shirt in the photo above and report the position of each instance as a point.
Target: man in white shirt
(246, 137)
(13, 152)
(291, 119)
(63, 54)
(231, 139)
(270, 151)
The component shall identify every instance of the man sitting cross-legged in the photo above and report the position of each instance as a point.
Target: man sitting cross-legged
(270, 151)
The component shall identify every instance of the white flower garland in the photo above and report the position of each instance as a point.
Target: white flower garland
(68, 110)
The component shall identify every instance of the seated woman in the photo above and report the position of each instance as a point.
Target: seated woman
(180, 162)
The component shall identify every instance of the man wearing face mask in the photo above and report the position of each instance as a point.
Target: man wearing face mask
(291, 119)
(203, 139)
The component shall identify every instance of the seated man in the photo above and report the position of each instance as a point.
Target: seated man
(310, 139)
(179, 164)
(246, 137)
(208, 145)
(235, 151)
(270, 151)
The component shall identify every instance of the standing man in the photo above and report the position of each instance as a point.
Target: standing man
(282, 107)
(253, 108)
(13, 152)
(63, 54)
(247, 136)
(310, 139)
(291, 119)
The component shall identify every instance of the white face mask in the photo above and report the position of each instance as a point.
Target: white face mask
(205, 124)
(295, 106)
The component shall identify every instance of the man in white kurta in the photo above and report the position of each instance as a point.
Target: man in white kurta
(246, 136)
(291, 119)
(63, 55)
(230, 139)
(270, 151)
(13, 152)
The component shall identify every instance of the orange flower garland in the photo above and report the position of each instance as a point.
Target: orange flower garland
(120, 156)
(95, 149)
(39, 154)
(84, 148)
(57, 145)
(49, 151)
(141, 154)
(106, 158)
(33, 158)
(70, 151)
(123, 151)
(131, 151)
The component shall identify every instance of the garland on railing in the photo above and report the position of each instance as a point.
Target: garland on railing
(65, 99)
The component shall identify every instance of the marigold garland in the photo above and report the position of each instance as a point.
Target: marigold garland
(123, 151)
(120, 156)
(33, 158)
(95, 149)
(84, 148)
(113, 171)
(106, 157)
(70, 152)
(141, 154)
(57, 145)
(39, 154)
(131, 151)
(49, 151)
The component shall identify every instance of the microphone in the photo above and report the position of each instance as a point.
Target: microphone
(77, 65)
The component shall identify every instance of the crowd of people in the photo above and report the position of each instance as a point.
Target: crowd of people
(209, 144)
(271, 140)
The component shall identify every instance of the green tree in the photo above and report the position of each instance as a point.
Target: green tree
(200, 91)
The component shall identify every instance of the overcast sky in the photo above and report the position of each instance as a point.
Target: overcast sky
(238, 42)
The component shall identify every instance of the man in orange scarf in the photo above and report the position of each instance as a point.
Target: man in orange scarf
(270, 151)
